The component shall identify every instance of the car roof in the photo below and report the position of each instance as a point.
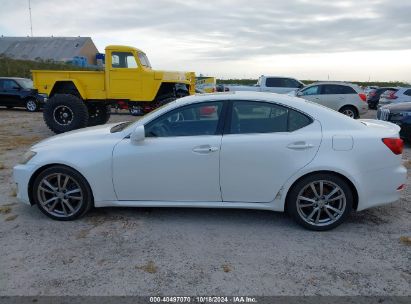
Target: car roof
(14, 78)
(335, 83)
(316, 111)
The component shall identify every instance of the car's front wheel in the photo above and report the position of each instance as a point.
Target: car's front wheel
(320, 201)
(31, 105)
(62, 193)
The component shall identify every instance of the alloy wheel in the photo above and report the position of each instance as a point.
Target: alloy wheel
(321, 203)
(60, 195)
(31, 105)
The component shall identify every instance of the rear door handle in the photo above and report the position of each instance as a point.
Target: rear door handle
(300, 146)
(205, 149)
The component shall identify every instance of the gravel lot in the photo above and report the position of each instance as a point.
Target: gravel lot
(122, 251)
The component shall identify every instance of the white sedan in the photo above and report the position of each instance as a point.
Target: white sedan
(229, 150)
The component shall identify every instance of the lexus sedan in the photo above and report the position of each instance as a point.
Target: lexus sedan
(226, 150)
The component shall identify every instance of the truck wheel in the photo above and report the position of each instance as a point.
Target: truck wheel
(65, 112)
(98, 114)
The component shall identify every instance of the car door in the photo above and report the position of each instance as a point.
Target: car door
(333, 96)
(311, 93)
(124, 76)
(264, 144)
(9, 92)
(177, 161)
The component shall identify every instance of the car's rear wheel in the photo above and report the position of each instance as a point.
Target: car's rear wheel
(320, 201)
(31, 105)
(350, 111)
(62, 193)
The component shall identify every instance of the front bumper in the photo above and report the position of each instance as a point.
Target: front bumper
(21, 176)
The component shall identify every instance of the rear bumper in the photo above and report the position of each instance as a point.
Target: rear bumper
(380, 186)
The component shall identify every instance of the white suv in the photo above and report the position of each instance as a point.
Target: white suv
(346, 98)
(395, 96)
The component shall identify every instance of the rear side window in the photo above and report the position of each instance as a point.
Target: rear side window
(282, 83)
(408, 92)
(273, 82)
(329, 89)
(261, 117)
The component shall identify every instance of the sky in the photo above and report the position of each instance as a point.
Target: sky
(307, 39)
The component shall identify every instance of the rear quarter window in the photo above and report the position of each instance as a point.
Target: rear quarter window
(297, 120)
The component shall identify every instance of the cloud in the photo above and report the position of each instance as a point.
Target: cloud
(221, 31)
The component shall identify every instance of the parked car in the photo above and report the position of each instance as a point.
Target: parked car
(19, 92)
(342, 97)
(273, 84)
(400, 114)
(395, 96)
(369, 89)
(281, 154)
(373, 96)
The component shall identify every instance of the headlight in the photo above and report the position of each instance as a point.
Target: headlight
(26, 157)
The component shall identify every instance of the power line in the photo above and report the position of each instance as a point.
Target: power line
(31, 23)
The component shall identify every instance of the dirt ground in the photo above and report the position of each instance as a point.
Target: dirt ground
(154, 251)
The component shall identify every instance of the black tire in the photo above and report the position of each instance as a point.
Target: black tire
(347, 110)
(98, 114)
(32, 105)
(60, 105)
(300, 211)
(80, 207)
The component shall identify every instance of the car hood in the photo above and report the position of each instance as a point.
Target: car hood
(85, 135)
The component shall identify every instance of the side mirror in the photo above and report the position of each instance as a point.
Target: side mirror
(299, 94)
(138, 134)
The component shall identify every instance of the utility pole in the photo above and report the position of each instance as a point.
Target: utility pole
(31, 23)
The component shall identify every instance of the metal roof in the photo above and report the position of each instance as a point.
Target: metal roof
(32, 48)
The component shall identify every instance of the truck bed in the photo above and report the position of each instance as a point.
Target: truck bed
(92, 82)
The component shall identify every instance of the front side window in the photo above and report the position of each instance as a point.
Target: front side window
(123, 60)
(191, 120)
(262, 117)
(8, 84)
(314, 90)
(408, 92)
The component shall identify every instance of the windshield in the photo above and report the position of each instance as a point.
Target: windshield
(25, 83)
(144, 60)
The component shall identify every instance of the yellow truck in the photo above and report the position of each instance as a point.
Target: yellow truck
(77, 99)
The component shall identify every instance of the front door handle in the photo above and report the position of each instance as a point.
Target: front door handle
(205, 149)
(300, 146)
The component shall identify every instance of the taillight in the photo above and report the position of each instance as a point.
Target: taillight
(392, 95)
(396, 145)
(363, 96)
